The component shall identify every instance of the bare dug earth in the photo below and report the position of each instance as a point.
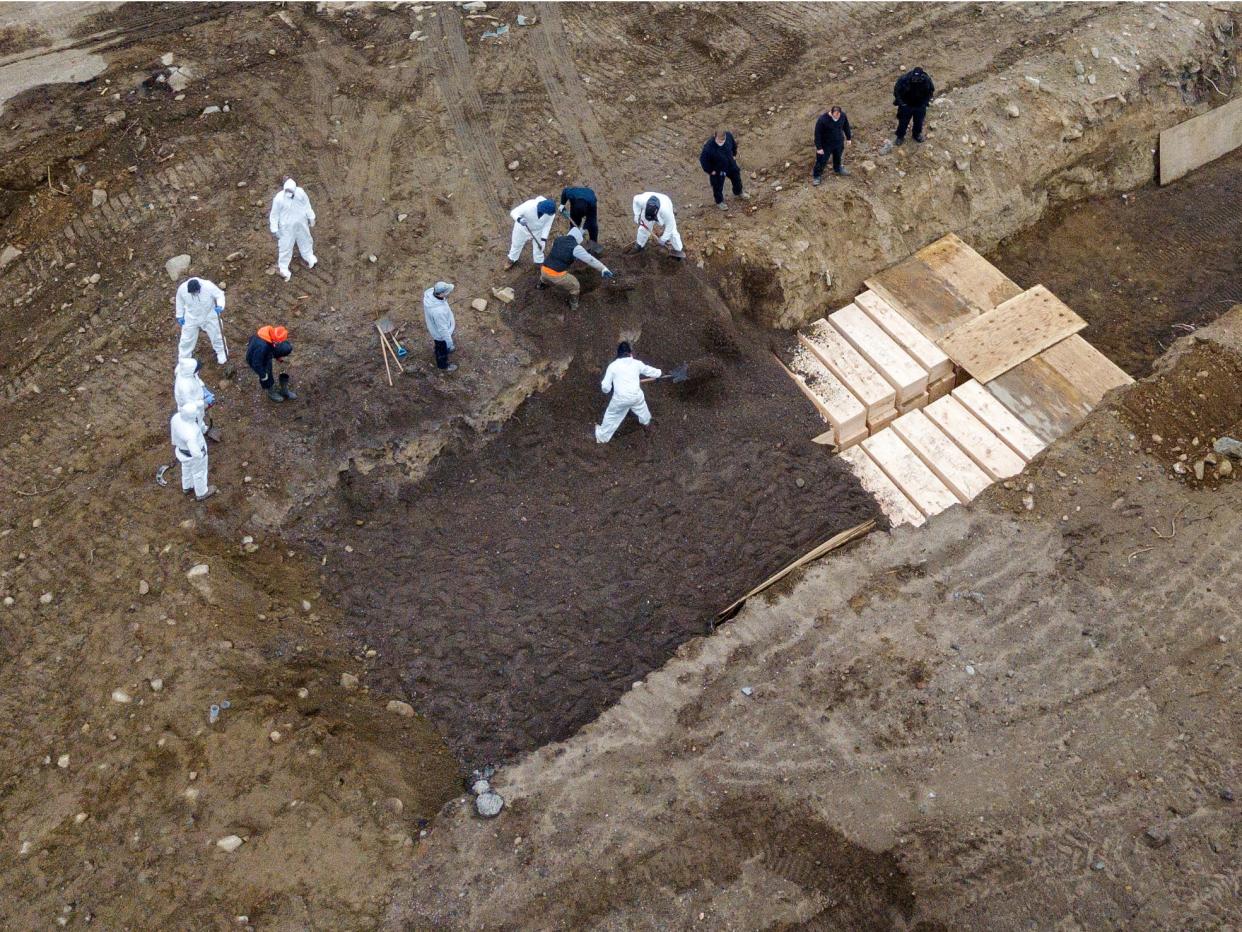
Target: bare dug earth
(114, 786)
(932, 735)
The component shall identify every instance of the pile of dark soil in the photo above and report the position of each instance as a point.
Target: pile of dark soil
(520, 588)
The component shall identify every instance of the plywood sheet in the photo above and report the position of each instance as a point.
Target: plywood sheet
(942, 455)
(899, 369)
(1091, 372)
(908, 472)
(1042, 398)
(892, 501)
(942, 286)
(1199, 140)
(926, 353)
(1016, 330)
(986, 449)
(848, 365)
(999, 419)
(835, 403)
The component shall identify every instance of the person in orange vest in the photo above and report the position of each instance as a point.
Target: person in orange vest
(268, 344)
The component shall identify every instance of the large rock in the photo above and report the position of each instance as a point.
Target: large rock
(176, 266)
(99, 197)
(8, 255)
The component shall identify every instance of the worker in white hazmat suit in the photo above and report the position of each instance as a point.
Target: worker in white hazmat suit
(651, 210)
(532, 221)
(188, 388)
(440, 324)
(199, 306)
(290, 221)
(191, 448)
(622, 378)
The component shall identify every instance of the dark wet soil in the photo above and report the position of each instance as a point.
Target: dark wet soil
(1142, 269)
(523, 585)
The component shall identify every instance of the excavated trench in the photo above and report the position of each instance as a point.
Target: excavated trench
(523, 584)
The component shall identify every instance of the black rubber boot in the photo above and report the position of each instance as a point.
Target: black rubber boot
(284, 387)
(274, 394)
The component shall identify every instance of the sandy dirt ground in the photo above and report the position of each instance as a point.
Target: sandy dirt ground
(401, 122)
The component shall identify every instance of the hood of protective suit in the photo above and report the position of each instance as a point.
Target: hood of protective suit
(273, 335)
(576, 233)
(191, 410)
(186, 367)
(290, 186)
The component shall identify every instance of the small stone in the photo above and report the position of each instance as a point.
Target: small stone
(1013, 111)
(489, 804)
(1079, 67)
(1098, 866)
(1028, 502)
(167, 59)
(120, 695)
(1224, 468)
(372, 258)
(143, 587)
(474, 6)
(503, 294)
(970, 670)
(303, 692)
(479, 304)
(479, 787)
(349, 681)
(63, 761)
(156, 684)
(400, 708)
(1156, 836)
(513, 166)
(176, 266)
(209, 110)
(306, 606)
(80, 818)
(234, 256)
(115, 117)
(800, 482)
(1091, 79)
(1033, 81)
(99, 197)
(1095, 53)
(45, 599)
(198, 569)
(748, 690)
(274, 737)
(8, 255)
(1226, 794)
(868, 166)
(8, 601)
(229, 843)
(401, 218)
(1199, 467)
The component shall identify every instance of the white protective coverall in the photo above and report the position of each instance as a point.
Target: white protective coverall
(191, 447)
(529, 226)
(198, 312)
(622, 379)
(290, 221)
(439, 317)
(188, 388)
(665, 218)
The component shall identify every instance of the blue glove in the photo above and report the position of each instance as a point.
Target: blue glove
(219, 310)
(209, 399)
(181, 321)
(608, 274)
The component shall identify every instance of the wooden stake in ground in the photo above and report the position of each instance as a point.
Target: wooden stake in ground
(384, 327)
(827, 546)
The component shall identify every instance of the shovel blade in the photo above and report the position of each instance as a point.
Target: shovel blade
(681, 373)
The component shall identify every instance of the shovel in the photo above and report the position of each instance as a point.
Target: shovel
(679, 374)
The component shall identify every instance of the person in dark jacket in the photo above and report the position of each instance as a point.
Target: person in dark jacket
(832, 135)
(911, 95)
(583, 210)
(268, 344)
(719, 159)
(560, 259)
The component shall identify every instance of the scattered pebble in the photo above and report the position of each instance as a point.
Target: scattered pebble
(229, 843)
(120, 695)
(199, 569)
(748, 691)
(63, 761)
(156, 684)
(400, 708)
(489, 804)
(349, 681)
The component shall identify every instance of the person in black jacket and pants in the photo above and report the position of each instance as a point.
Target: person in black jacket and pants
(832, 135)
(719, 159)
(911, 95)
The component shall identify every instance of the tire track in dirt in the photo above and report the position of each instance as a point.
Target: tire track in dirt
(567, 95)
(466, 111)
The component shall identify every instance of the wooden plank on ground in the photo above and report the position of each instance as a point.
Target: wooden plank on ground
(892, 501)
(1002, 422)
(942, 455)
(835, 403)
(1042, 399)
(909, 473)
(1016, 330)
(943, 285)
(899, 369)
(941, 387)
(926, 353)
(986, 449)
(970, 276)
(1199, 140)
(1091, 372)
(845, 362)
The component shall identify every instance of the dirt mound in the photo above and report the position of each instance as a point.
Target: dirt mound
(520, 588)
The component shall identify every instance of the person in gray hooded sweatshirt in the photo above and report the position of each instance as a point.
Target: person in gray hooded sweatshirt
(440, 323)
